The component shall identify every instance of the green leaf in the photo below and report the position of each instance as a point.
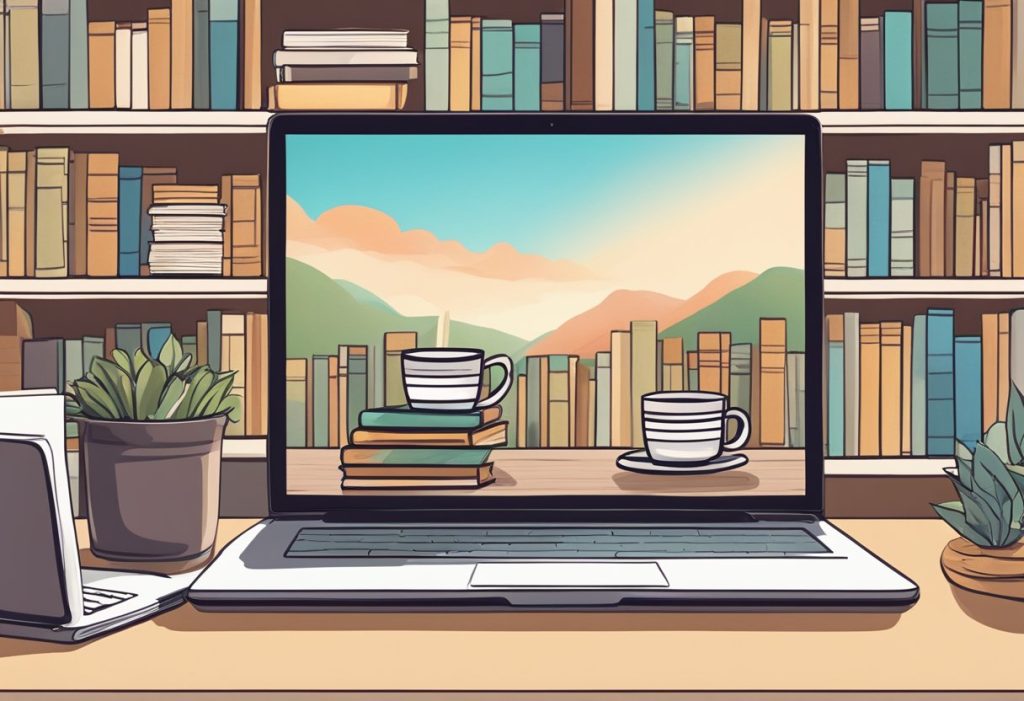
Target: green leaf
(117, 383)
(964, 467)
(1015, 426)
(1017, 473)
(148, 389)
(992, 481)
(183, 365)
(123, 360)
(170, 354)
(173, 393)
(232, 406)
(952, 512)
(980, 514)
(198, 388)
(138, 360)
(995, 439)
(94, 401)
(210, 404)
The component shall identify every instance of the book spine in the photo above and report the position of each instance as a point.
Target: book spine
(795, 392)
(625, 55)
(1003, 373)
(890, 388)
(321, 389)
(942, 49)
(939, 415)
(159, 58)
(772, 410)
(435, 54)
(256, 369)
(16, 202)
(532, 416)
(969, 44)
(856, 218)
(664, 37)
(683, 89)
(751, 54)
(851, 378)
(181, 54)
(643, 371)
(739, 376)
(552, 62)
(295, 402)
(898, 60)
(995, 200)
(252, 54)
(496, 79)
(879, 227)
(989, 369)
(30, 213)
(78, 55)
(967, 374)
(602, 400)
(460, 46)
(102, 215)
(129, 219)
(4, 235)
(836, 382)
(902, 249)
(579, 53)
(964, 250)
(139, 67)
(1016, 349)
(645, 55)
(23, 54)
(604, 55)
(223, 54)
(201, 54)
(526, 68)
(809, 40)
(51, 193)
(55, 30)
(780, 66)
(829, 68)
(559, 416)
(123, 65)
(703, 63)
(1006, 210)
(520, 419)
(246, 222)
(728, 69)
(849, 54)
(870, 378)
(996, 56)
(5, 64)
(871, 64)
(906, 389)
(621, 402)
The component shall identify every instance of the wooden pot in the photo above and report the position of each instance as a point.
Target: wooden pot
(992, 571)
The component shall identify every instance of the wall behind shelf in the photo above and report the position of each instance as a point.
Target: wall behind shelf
(967, 153)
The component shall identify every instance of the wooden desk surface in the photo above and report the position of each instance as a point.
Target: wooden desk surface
(948, 641)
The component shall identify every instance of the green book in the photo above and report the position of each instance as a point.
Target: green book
(526, 67)
(739, 376)
(969, 58)
(79, 56)
(295, 408)
(320, 384)
(901, 248)
(213, 339)
(73, 369)
(361, 455)
(496, 80)
(533, 378)
(201, 54)
(92, 348)
(56, 45)
(664, 31)
(603, 400)
(942, 57)
(404, 417)
(435, 54)
(128, 337)
(51, 212)
(795, 392)
(189, 346)
(358, 389)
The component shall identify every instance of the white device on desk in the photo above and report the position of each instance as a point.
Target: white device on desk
(520, 227)
(45, 593)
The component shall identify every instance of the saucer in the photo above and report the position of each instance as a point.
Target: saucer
(640, 461)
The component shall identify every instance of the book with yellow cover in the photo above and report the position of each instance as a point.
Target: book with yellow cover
(460, 43)
(621, 407)
(256, 374)
(51, 234)
(16, 199)
(728, 66)
(243, 225)
(101, 214)
(643, 370)
(338, 96)
(963, 244)
(490, 435)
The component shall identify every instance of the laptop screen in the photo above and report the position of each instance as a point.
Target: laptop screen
(531, 315)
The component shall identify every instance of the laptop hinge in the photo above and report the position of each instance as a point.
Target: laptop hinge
(791, 517)
(536, 515)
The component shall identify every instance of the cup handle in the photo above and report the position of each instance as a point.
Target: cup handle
(506, 384)
(743, 434)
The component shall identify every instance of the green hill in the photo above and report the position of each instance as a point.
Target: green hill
(777, 292)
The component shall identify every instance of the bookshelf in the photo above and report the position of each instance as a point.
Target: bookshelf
(147, 288)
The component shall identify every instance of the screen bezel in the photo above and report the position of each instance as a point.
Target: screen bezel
(554, 507)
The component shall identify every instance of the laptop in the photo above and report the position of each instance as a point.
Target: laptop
(554, 361)
(45, 594)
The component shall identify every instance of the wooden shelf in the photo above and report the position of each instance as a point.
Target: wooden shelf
(923, 288)
(887, 467)
(922, 122)
(133, 288)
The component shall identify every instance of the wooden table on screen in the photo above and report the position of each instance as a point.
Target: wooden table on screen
(530, 472)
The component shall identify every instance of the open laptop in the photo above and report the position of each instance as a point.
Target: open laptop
(45, 594)
(640, 295)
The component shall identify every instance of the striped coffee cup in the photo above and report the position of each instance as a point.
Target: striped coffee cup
(449, 379)
(689, 427)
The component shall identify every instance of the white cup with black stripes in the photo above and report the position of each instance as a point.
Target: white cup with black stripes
(691, 428)
(449, 379)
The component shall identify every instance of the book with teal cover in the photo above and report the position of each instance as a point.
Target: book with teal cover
(189, 346)
(939, 416)
(405, 417)
(879, 211)
(526, 67)
(835, 429)
(739, 376)
(154, 336)
(78, 76)
(320, 389)
(898, 54)
(129, 220)
(358, 386)
(533, 401)
(969, 45)
(942, 56)
(200, 54)
(558, 363)
(901, 263)
(682, 91)
(213, 339)
(364, 455)
(435, 54)
(856, 218)
(967, 376)
(496, 65)
(128, 337)
(54, 54)
(664, 30)
(223, 54)
(645, 55)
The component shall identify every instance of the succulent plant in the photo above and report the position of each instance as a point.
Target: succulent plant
(990, 483)
(136, 387)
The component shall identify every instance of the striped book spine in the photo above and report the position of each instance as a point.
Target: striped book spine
(879, 214)
(939, 414)
(902, 248)
(526, 67)
(435, 54)
(682, 92)
(835, 225)
(942, 77)
(995, 201)
(856, 218)
(664, 37)
(496, 83)
(967, 374)
(918, 387)
(969, 58)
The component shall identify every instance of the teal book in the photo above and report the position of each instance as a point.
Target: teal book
(879, 211)
(942, 57)
(856, 218)
(898, 59)
(496, 65)
(739, 376)
(795, 393)
(155, 335)
(405, 417)
(320, 388)
(967, 376)
(526, 67)
(645, 55)
(129, 220)
(92, 348)
(435, 54)
(78, 76)
(918, 386)
(682, 90)
(223, 54)
(358, 386)
(362, 455)
(73, 369)
(901, 262)
(939, 416)
(969, 46)
(190, 347)
(213, 339)
(664, 31)
(533, 379)
(835, 429)
(128, 337)
(54, 54)
(200, 54)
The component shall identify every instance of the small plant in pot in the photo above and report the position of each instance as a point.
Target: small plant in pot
(151, 431)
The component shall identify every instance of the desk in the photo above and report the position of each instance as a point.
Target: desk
(949, 640)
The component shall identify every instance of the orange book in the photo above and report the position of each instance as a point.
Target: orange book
(583, 417)
(930, 218)
(243, 225)
(772, 391)
(905, 407)
(751, 56)
(181, 54)
(338, 96)
(713, 361)
(995, 55)
(77, 239)
(17, 195)
(964, 228)
(201, 343)
(101, 65)
(3, 209)
(890, 388)
(30, 214)
(692, 373)
(579, 54)
(673, 365)
(257, 374)
(460, 47)
(849, 54)
(521, 411)
(159, 57)
(989, 369)
(949, 226)
(252, 55)
(15, 327)
(1006, 211)
(1017, 205)
(808, 44)
(870, 378)
(829, 68)
(475, 65)
(704, 62)
(101, 215)
(621, 396)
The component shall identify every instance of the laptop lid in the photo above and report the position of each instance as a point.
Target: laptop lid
(545, 316)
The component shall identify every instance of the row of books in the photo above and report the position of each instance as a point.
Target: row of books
(628, 55)
(68, 214)
(225, 341)
(192, 55)
(942, 225)
(912, 389)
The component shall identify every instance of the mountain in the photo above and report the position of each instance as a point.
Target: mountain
(589, 332)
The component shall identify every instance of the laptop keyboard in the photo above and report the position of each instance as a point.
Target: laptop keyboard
(558, 542)
(99, 599)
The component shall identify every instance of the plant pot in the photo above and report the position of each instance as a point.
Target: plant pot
(992, 571)
(153, 487)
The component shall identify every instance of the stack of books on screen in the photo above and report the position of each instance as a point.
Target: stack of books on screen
(938, 224)
(226, 341)
(343, 69)
(74, 214)
(912, 389)
(191, 55)
(401, 448)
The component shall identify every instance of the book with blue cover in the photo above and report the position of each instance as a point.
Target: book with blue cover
(898, 61)
(129, 220)
(939, 413)
(879, 223)
(969, 58)
(496, 65)
(942, 57)
(967, 374)
(223, 54)
(645, 59)
(526, 67)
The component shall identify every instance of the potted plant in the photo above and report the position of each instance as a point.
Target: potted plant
(988, 557)
(150, 439)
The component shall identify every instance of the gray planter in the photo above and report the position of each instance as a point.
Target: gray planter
(153, 488)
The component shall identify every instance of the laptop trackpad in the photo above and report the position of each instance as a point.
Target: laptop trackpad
(575, 575)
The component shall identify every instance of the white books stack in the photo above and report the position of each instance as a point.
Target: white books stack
(188, 239)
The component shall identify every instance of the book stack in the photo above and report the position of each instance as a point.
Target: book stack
(399, 448)
(343, 69)
(188, 230)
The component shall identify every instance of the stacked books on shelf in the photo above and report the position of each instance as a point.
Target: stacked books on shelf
(190, 55)
(911, 389)
(343, 69)
(401, 448)
(72, 214)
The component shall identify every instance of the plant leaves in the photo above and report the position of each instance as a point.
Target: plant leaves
(148, 388)
(117, 383)
(94, 401)
(183, 365)
(232, 407)
(123, 360)
(138, 360)
(964, 464)
(198, 387)
(994, 483)
(170, 355)
(980, 514)
(210, 404)
(1015, 426)
(172, 395)
(995, 439)
(1017, 473)
(952, 512)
